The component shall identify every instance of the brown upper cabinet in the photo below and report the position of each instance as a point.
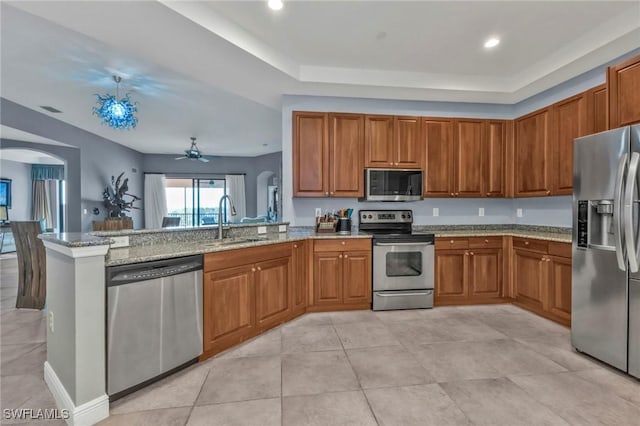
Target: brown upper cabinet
(328, 155)
(569, 122)
(623, 81)
(532, 148)
(597, 103)
(464, 157)
(392, 142)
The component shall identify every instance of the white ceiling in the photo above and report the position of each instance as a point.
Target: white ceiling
(218, 70)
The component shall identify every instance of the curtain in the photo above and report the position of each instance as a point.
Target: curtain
(47, 172)
(155, 200)
(40, 205)
(235, 190)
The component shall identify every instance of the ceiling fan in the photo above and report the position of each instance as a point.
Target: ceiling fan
(193, 153)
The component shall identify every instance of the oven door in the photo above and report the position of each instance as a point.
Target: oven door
(403, 265)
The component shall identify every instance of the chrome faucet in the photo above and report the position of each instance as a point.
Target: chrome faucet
(233, 213)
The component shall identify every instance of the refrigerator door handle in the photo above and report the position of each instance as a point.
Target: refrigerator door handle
(629, 231)
(617, 213)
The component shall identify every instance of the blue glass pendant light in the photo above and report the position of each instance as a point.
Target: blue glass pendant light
(116, 112)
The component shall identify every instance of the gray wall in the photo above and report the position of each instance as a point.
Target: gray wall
(99, 159)
(20, 174)
(251, 166)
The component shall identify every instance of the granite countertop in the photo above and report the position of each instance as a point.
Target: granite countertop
(146, 253)
(75, 239)
(547, 236)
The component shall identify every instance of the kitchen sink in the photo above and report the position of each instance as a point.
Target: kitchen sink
(232, 241)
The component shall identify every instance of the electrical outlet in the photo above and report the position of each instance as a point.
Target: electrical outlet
(318, 212)
(480, 211)
(85, 211)
(51, 321)
(436, 211)
(519, 213)
(262, 229)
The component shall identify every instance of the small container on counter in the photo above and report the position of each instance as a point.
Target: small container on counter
(344, 226)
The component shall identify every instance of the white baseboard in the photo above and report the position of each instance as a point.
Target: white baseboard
(86, 414)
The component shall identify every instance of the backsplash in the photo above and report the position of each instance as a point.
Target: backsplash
(550, 211)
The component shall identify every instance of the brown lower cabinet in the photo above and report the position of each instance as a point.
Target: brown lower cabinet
(245, 292)
(341, 275)
(468, 270)
(248, 291)
(542, 278)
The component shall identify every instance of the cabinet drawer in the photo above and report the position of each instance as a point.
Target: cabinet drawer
(245, 256)
(531, 244)
(451, 243)
(485, 242)
(342, 244)
(560, 249)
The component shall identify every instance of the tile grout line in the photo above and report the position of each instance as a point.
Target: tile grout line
(193, 406)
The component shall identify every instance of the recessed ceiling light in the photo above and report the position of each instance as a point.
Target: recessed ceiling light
(265, 144)
(275, 4)
(492, 42)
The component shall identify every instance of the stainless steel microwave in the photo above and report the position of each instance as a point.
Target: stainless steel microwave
(393, 185)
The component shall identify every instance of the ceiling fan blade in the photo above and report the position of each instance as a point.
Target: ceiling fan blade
(204, 160)
(180, 158)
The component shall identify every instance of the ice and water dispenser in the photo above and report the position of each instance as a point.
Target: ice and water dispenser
(595, 224)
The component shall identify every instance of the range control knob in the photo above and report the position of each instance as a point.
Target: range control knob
(370, 217)
(404, 216)
(408, 215)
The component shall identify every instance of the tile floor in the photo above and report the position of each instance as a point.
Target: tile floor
(484, 365)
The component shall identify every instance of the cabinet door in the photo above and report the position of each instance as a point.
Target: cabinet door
(597, 115)
(356, 277)
(378, 141)
(407, 146)
(623, 81)
(451, 276)
(437, 136)
(346, 155)
(570, 122)
(493, 180)
(529, 274)
(272, 282)
(468, 157)
(558, 300)
(327, 278)
(228, 300)
(299, 284)
(310, 154)
(532, 167)
(485, 273)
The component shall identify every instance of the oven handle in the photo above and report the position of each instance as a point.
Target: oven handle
(404, 244)
(403, 294)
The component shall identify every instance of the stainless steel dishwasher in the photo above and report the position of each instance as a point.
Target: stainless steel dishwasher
(154, 321)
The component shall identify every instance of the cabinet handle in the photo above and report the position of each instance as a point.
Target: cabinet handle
(548, 192)
(295, 246)
(526, 243)
(331, 193)
(543, 259)
(346, 255)
(466, 253)
(253, 269)
(391, 164)
(340, 256)
(326, 193)
(486, 241)
(452, 194)
(343, 243)
(488, 194)
(259, 268)
(548, 259)
(457, 193)
(451, 242)
(471, 253)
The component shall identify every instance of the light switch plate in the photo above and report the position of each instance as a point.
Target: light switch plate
(519, 213)
(480, 211)
(119, 242)
(262, 229)
(436, 211)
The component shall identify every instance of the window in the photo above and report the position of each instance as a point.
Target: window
(195, 201)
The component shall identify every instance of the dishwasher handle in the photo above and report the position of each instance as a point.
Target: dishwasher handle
(152, 270)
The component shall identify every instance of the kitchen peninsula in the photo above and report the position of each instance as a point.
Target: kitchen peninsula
(283, 277)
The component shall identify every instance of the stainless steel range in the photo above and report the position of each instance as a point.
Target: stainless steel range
(403, 261)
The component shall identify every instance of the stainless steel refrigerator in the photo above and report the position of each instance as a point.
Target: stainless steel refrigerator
(605, 312)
